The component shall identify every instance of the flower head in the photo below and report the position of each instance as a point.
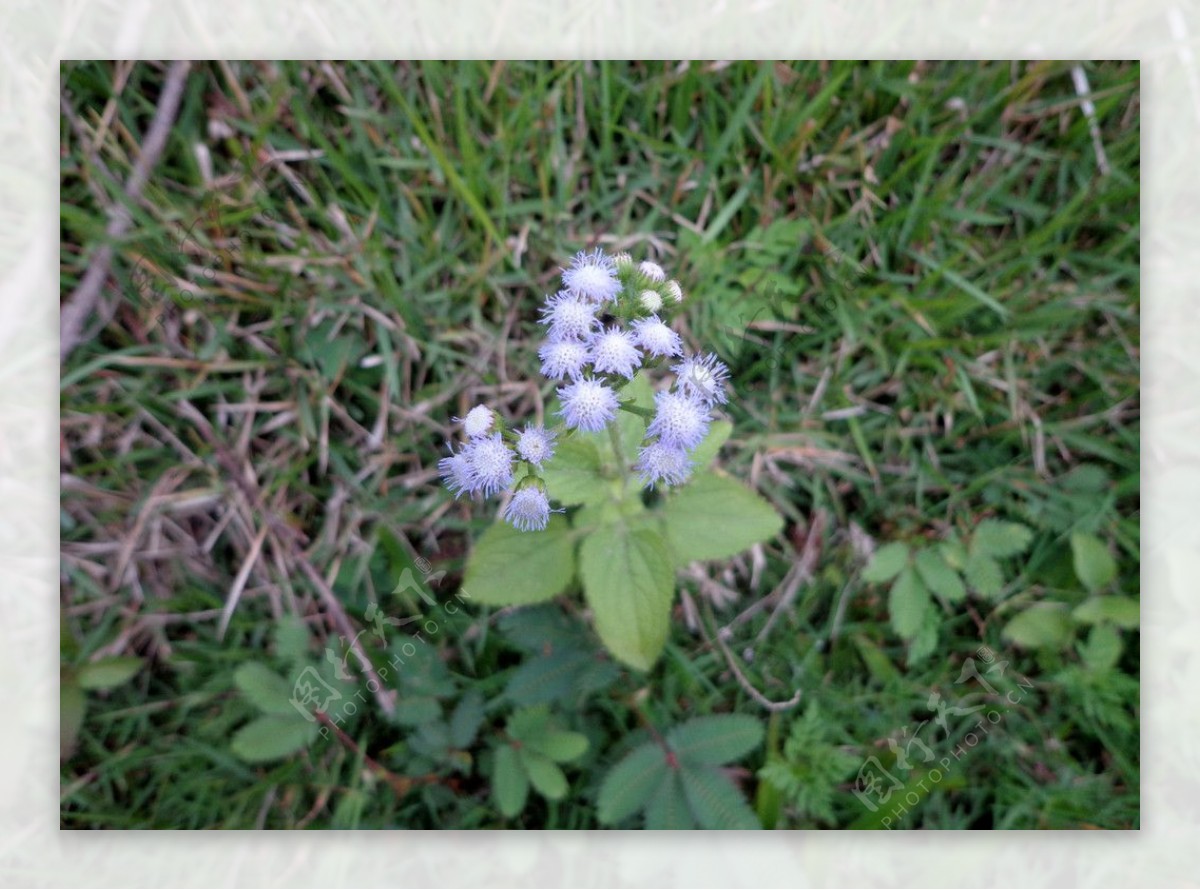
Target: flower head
(593, 275)
(455, 471)
(656, 338)
(535, 444)
(703, 377)
(675, 291)
(659, 463)
(650, 300)
(653, 271)
(490, 464)
(587, 404)
(612, 352)
(529, 509)
(477, 422)
(680, 421)
(563, 358)
(569, 316)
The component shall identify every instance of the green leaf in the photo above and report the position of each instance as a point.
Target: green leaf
(561, 746)
(545, 775)
(1103, 648)
(714, 801)
(716, 739)
(1094, 565)
(510, 784)
(466, 719)
(264, 688)
(924, 642)
(629, 584)
(886, 563)
(1000, 539)
(630, 784)
(878, 664)
(953, 552)
(541, 680)
(291, 638)
(984, 575)
(1041, 626)
(414, 710)
(715, 517)
(575, 475)
(529, 723)
(1122, 611)
(939, 577)
(631, 427)
(512, 568)
(667, 809)
(108, 672)
(272, 737)
(72, 707)
(908, 601)
(706, 451)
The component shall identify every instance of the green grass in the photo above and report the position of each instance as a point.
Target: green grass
(927, 292)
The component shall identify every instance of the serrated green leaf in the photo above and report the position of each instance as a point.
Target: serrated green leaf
(667, 809)
(510, 783)
(999, 539)
(1041, 626)
(72, 707)
(108, 672)
(512, 568)
(264, 688)
(544, 774)
(291, 638)
(631, 783)
(953, 552)
(707, 450)
(908, 601)
(629, 585)
(886, 563)
(984, 575)
(715, 517)
(1122, 611)
(561, 746)
(1102, 649)
(715, 740)
(924, 642)
(939, 577)
(466, 719)
(273, 736)
(714, 801)
(414, 710)
(542, 680)
(529, 723)
(1094, 565)
(575, 475)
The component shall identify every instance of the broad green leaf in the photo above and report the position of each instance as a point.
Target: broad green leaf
(466, 719)
(549, 678)
(908, 601)
(561, 746)
(510, 784)
(512, 568)
(667, 809)
(715, 517)
(1102, 649)
(529, 723)
(629, 785)
(1000, 539)
(272, 737)
(108, 672)
(1122, 611)
(1041, 626)
(1086, 478)
(886, 563)
(629, 585)
(1094, 565)
(575, 475)
(717, 739)
(953, 552)
(940, 577)
(414, 710)
(714, 801)
(264, 688)
(924, 642)
(544, 774)
(706, 451)
(984, 575)
(72, 706)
